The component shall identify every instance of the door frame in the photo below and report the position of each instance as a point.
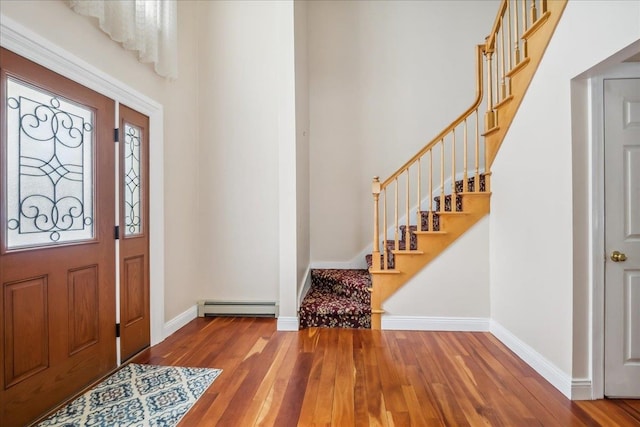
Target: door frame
(34, 47)
(597, 217)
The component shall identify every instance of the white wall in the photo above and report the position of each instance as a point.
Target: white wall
(454, 285)
(79, 35)
(384, 78)
(532, 218)
(238, 153)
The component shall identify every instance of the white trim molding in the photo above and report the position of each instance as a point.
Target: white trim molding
(550, 372)
(286, 126)
(24, 42)
(424, 323)
(581, 389)
(288, 324)
(357, 263)
(306, 285)
(180, 320)
(596, 227)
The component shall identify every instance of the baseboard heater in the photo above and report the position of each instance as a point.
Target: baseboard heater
(237, 308)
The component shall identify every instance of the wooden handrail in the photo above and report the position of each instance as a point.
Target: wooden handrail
(491, 40)
(479, 93)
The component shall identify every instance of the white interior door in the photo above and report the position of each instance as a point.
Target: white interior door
(622, 237)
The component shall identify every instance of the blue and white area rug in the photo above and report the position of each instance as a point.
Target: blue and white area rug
(137, 395)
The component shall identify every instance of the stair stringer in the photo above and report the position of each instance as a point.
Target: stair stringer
(430, 244)
(537, 37)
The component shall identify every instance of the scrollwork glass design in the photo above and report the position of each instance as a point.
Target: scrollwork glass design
(132, 169)
(49, 168)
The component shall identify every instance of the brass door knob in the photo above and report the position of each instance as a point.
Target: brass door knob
(618, 257)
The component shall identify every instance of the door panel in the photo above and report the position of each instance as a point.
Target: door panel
(622, 234)
(83, 297)
(25, 315)
(57, 263)
(134, 236)
(134, 290)
(632, 316)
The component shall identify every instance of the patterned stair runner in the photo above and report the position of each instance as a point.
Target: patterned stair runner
(337, 299)
(341, 298)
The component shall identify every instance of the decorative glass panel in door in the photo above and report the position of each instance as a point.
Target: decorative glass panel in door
(132, 177)
(49, 168)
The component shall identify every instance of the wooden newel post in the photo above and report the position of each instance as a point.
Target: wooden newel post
(375, 254)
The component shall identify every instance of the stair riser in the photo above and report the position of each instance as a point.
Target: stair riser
(355, 293)
(336, 321)
(447, 203)
(459, 189)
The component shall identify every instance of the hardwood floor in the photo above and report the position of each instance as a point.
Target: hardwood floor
(345, 377)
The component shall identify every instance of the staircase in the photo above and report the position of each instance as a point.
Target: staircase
(337, 299)
(433, 198)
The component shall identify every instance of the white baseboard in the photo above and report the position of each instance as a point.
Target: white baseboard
(284, 323)
(581, 389)
(180, 320)
(423, 323)
(359, 262)
(288, 324)
(550, 372)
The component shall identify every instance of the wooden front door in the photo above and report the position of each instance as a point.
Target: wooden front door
(622, 237)
(57, 249)
(134, 232)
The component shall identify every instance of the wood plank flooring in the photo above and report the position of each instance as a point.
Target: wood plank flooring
(345, 377)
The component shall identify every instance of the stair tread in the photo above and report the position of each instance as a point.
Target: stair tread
(454, 212)
(352, 283)
(388, 271)
(474, 193)
(492, 130)
(427, 232)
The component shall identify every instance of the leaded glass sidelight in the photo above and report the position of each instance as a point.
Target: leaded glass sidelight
(49, 168)
(132, 170)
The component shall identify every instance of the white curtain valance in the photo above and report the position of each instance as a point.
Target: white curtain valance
(146, 26)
